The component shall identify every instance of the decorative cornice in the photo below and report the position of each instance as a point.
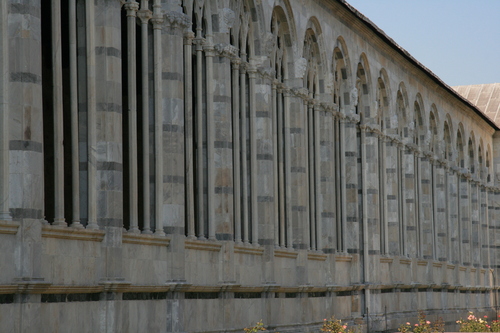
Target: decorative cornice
(145, 239)
(248, 250)
(316, 256)
(286, 253)
(94, 235)
(202, 245)
(9, 227)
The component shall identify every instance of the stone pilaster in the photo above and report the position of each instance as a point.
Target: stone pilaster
(440, 217)
(392, 197)
(173, 123)
(425, 220)
(464, 218)
(327, 185)
(410, 202)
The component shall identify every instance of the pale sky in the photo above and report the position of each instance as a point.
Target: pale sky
(458, 40)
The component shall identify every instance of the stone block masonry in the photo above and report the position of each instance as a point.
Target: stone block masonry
(196, 166)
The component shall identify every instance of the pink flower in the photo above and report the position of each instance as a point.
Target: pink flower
(407, 323)
(416, 324)
(427, 322)
(324, 319)
(345, 326)
(485, 316)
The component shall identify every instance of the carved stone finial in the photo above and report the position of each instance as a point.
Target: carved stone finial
(178, 19)
(226, 50)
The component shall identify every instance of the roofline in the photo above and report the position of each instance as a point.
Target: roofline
(410, 58)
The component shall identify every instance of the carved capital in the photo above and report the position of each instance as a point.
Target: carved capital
(131, 7)
(144, 15)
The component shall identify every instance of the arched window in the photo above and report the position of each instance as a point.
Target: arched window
(280, 57)
(311, 82)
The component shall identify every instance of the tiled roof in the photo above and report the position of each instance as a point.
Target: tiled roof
(485, 96)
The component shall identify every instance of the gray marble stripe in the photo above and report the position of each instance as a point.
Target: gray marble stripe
(26, 213)
(25, 77)
(19, 8)
(173, 230)
(295, 130)
(223, 190)
(327, 214)
(265, 198)
(223, 144)
(266, 157)
(223, 236)
(266, 241)
(262, 114)
(26, 145)
(109, 166)
(171, 76)
(173, 179)
(372, 191)
(298, 169)
(109, 107)
(109, 222)
(299, 208)
(173, 128)
(352, 219)
(108, 51)
(222, 99)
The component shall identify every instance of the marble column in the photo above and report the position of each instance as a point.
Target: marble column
(144, 15)
(75, 152)
(189, 160)
(157, 20)
(131, 7)
(4, 114)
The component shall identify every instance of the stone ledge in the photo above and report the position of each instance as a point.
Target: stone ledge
(404, 261)
(248, 250)
(202, 245)
(343, 258)
(422, 262)
(49, 231)
(144, 239)
(9, 227)
(317, 256)
(292, 254)
(68, 289)
(386, 260)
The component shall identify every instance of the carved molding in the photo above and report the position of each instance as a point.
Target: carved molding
(9, 227)
(93, 235)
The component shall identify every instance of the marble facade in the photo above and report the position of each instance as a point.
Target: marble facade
(199, 165)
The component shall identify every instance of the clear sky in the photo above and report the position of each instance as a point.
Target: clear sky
(458, 40)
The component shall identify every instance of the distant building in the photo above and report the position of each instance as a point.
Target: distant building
(199, 165)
